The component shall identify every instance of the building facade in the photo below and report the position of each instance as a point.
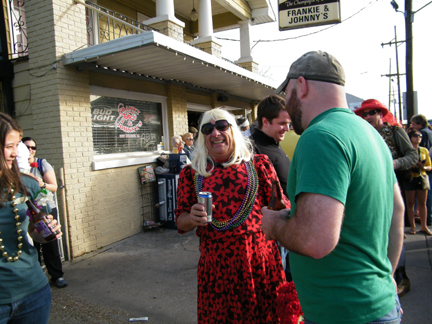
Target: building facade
(101, 84)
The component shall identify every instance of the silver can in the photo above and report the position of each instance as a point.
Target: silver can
(205, 199)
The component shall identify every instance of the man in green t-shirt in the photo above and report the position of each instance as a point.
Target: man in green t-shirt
(345, 230)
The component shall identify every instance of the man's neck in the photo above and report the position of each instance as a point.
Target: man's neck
(262, 130)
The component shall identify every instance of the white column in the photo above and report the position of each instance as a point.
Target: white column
(205, 19)
(165, 12)
(245, 41)
(164, 7)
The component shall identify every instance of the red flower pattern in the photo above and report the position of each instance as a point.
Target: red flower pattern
(287, 304)
(238, 271)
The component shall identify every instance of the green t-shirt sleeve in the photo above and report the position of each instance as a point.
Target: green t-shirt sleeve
(325, 166)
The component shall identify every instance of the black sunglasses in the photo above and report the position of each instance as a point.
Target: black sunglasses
(31, 147)
(370, 113)
(221, 125)
(417, 135)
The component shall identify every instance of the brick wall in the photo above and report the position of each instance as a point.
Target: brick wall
(177, 110)
(102, 207)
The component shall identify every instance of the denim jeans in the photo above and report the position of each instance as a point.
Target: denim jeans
(394, 317)
(33, 309)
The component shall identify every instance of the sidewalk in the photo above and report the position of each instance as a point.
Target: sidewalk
(153, 274)
(416, 304)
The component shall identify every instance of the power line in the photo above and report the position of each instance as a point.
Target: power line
(305, 35)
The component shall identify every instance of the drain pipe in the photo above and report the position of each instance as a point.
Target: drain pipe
(65, 218)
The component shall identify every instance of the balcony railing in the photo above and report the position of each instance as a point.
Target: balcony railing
(17, 42)
(104, 24)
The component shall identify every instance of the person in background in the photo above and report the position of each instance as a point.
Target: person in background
(419, 122)
(244, 125)
(273, 123)
(178, 148)
(238, 271)
(345, 229)
(188, 148)
(45, 176)
(404, 158)
(289, 143)
(25, 295)
(23, 156)
(194, 131)
(177, 144)
(419, 185)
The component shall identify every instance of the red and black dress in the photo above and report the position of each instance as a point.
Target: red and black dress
(238, 271)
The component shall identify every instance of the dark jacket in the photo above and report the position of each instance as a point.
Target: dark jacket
(189, 151)
(426, 137)
(403, 153)
(264, 144)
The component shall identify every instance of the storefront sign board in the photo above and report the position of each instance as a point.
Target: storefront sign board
(294, 14)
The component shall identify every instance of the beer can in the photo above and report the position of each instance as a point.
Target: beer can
(205, 199)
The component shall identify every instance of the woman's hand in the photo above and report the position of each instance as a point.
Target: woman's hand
(197, 217)
(55, 227)
(36, 236)
(40, 181)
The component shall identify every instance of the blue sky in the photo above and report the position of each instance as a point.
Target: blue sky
(356, 43)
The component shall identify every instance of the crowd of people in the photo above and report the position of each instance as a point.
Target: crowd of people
(346, 186)
(352, 181)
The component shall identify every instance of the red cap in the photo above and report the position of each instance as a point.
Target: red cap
(371, 104)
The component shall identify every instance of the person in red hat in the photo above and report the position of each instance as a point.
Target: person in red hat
(376, 114)
(404, 157)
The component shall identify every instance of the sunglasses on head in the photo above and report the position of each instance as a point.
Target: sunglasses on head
(417, 135)
(370, 113)
(31, 147)
(221, 125)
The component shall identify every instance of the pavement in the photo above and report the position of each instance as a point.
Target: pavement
(153, 274)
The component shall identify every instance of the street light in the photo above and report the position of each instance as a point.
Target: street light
(394, 5)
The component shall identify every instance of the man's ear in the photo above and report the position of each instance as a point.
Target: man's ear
(302, 87)
(265, 121)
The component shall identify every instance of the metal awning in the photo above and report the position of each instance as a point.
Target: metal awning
(153, 56)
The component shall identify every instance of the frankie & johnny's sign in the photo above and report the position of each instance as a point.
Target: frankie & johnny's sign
(307, 13)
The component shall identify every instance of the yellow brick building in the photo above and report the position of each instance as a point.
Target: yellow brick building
(100, 84)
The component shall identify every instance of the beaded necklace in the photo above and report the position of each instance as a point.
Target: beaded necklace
(19, 232)
(248, 201)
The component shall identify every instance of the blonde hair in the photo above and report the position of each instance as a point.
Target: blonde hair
(186, 135)
(243, 148)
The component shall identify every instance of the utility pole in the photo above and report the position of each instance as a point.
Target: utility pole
(390, 87)
(398, 79)
(409, 19)
(409, 59)
(390, 75)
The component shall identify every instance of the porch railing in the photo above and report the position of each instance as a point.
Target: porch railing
(16, 23)
(104, 24)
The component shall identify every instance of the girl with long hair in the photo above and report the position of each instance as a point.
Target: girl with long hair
(25, 295)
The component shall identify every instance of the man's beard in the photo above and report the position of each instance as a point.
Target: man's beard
(293, 106)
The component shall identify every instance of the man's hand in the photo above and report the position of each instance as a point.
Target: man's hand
(270, 220)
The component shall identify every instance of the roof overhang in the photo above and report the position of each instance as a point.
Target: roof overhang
(157, 57)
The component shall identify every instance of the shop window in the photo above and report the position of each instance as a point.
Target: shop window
(125, 125)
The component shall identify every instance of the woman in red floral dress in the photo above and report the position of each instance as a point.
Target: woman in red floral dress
(239, 271)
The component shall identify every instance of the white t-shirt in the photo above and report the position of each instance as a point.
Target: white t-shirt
(23, 158)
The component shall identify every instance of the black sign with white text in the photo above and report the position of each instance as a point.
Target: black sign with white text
(295, 14)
